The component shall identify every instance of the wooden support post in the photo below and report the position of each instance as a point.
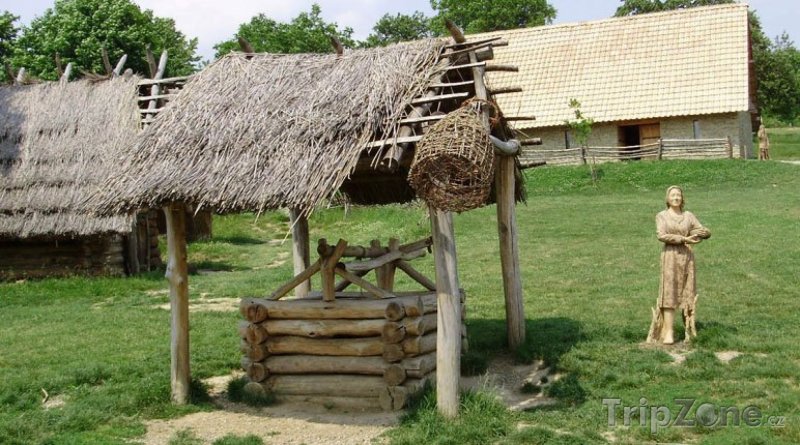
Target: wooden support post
(509, 251)
(132, 246)
(178, 277)
(300, 249)
(507, 229)
(660, 149)
(448, 340)
(327, 273)
(729, 148)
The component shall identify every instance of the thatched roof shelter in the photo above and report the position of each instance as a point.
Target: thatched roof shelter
(261, 131)
(57, 141)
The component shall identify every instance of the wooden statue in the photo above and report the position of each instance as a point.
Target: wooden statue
(763, 143)
(678, 230)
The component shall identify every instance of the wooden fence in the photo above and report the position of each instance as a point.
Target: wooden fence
(663, 149)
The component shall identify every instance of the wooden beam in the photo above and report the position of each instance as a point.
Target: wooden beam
(391, 141)
(160, 96)
(337, 45)
(507, 229)
(474, 42)
(466, 65)
(151, 61)
(152, 109)
(364, 284)
(451, 84)
(118, 69)
(519, 118)
(106, 61)
(178, 277)
(245, 45)
(301, 249)
(67, 73)
(438, 98)
(416, 120)
(20, 76)
(455, 31)
(448, 339)
(531, 141)
(178, 79)
(296, 281)
(505, 90)
(510, 68)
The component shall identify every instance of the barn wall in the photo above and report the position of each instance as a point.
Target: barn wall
(735, 125)
(48, 257)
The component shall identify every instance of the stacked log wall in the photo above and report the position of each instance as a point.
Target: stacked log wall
(58, 257)
(355, 352)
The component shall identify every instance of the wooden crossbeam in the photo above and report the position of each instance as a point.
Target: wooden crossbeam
(144, 82)
(439, 98)
(466, 65)
(509, 68)
(416, 120)
(505, 90)
(531, 141)
(452, 84)
(474, 42)
(519, 118)
(155, 97)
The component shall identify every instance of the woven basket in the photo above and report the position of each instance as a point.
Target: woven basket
(453, 166)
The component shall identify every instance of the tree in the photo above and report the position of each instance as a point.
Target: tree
(306, 33)
(777, 63)
(475, 16)
(76, 30)
(399, 28)
(634, 7)
(8, 34)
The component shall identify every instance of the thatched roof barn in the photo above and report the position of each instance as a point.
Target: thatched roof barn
(263, 131)
(57, 141)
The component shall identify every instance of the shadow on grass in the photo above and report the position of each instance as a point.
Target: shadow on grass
(237, 240)
(548, 339)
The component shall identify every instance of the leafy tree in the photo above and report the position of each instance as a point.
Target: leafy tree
(777, 64)
(779, 80)
(633, 7)
(306, 33)
(8, 33)
(78, 29)
(399, 28)
(475, 16)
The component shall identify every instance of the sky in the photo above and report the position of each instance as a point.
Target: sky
(213, 21)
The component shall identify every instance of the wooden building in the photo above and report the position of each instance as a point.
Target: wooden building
(684, 74)
(57, 140)
(254, 132)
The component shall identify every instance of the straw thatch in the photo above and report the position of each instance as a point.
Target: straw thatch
(261, 131)
(56, 142)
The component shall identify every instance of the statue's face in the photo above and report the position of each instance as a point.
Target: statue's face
(675, 198)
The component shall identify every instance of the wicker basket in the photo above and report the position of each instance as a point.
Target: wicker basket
(453, 166)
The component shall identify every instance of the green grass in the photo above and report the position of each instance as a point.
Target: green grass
(784, 143)
(589, 260)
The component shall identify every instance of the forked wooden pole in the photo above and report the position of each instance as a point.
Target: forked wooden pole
(448, 337)
(509, 251)
(301, 250)
(178, 277)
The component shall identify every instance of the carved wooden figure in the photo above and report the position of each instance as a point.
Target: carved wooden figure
(678, 230)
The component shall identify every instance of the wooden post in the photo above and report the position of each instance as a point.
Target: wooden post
(448, 339)
(660, 148)
(507, 229)
(729, 148)
(177, 275)
(132, 246)
(509, 251)
(300, 249)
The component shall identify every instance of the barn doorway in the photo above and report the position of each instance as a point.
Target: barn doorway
(631, 137)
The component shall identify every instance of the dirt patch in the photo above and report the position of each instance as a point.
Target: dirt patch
(308, 423)
(204, 304)
(284, 423)
(727, 356)
(52, 402)
(520, 387)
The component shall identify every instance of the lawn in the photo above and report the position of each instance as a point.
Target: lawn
(590, 269)
(784, 143)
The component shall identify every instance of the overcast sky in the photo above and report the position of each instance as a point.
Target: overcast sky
(212, 21)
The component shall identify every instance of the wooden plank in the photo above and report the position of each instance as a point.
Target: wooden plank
(151, 110)
(439, 98)
(296, 281)
(531, 141)
(364, 284)
(178, 277)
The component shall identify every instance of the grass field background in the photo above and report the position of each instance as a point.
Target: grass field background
(590, 265)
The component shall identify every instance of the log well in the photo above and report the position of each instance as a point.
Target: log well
(371, 352)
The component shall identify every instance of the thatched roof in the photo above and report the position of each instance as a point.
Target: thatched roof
(56, 142)
(261, 131)
(686, 62)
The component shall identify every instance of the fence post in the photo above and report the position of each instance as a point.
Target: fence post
(729, 148)
(660, 148)
(583, 155)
